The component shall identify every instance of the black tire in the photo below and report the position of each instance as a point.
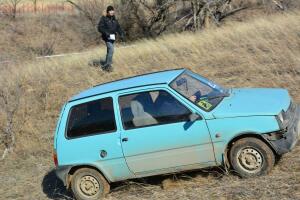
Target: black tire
(250, 157)
(89, 184)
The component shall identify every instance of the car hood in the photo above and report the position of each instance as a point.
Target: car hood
(253, 102)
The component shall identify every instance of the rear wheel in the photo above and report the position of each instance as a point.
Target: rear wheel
(89, 184)
(251, 157)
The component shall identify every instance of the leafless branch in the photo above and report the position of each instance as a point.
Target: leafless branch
(10, 101)
(278, 4)
(91, 9)
(13, 5)
(154, 15)
(34, 5)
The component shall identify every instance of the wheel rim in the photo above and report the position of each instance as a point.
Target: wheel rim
(250, 159)
(89, 186)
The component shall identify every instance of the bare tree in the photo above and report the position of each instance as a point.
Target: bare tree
(91, 9)
(154, 17)
(9, 7)
(13, 5)
(151, 16)
(9, 104)
(205, 11)
(1, 8)
(158, 22)
(34, 5)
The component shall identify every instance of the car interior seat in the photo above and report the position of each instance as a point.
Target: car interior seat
(140, 117)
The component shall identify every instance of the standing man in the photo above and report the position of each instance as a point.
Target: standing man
(109, 27)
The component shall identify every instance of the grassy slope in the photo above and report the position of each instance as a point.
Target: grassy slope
(262, 53)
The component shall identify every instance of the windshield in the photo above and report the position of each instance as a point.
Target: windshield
(201, 91)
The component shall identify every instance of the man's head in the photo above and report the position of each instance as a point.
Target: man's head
(110, 11)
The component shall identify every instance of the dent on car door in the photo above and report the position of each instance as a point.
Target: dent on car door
(158, 135)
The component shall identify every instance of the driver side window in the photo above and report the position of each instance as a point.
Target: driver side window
(150, 109)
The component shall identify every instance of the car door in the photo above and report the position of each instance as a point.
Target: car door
(91, 137)
(157, 135)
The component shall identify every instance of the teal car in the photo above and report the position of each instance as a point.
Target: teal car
(168, 122)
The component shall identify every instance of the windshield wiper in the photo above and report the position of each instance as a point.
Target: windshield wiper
(215, 97)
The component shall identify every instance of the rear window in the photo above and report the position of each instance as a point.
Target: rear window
(95, 117)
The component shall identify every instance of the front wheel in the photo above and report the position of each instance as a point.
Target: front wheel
(251, 157)
(89, 184)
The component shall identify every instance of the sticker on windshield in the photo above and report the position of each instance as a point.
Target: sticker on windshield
(181, 81)
(204, 104)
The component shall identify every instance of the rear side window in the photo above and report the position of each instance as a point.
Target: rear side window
(95, 117)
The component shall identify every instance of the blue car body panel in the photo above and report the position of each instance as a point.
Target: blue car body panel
(229, 128)
(253, 102)
(58, 129)
(171, 147)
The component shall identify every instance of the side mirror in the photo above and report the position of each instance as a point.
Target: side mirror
(194, 117)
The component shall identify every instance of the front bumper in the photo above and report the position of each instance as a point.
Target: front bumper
(285, 140)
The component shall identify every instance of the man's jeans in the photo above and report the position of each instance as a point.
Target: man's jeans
(109, 54)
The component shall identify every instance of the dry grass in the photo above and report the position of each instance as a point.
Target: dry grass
(41, 34)
(261, 53)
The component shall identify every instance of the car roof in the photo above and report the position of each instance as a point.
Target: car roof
(161, 77)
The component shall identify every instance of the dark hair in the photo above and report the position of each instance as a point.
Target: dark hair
(109, 8)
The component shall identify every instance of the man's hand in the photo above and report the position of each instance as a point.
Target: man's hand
(193, 98)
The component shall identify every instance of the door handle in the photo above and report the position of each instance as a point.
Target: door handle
(125, 140)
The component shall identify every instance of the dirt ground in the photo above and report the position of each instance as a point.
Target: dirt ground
(34, 178)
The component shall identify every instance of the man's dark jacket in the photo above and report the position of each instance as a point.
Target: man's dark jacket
(109, 25)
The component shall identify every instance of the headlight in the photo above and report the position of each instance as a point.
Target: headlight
(281, 120)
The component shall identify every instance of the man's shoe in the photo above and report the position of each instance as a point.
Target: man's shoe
(102, 62)
(109, 68)
(106, 68)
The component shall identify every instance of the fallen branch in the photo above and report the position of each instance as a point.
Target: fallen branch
(279, 5)
(182, 18)
(232, 12)
(5, 153)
